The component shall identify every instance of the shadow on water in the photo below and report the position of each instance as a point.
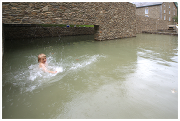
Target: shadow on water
(123, 78)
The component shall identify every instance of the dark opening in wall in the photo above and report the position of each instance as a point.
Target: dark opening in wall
(96, 32)
(23, 31)
(170, 28)
(96, 27)
(20, 25)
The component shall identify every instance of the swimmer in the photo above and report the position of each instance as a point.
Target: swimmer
(43, 64)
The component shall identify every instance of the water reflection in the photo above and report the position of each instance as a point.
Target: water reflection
(126, 78)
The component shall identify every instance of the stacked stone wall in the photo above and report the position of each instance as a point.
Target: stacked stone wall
(114, 19)
(153, 11)
(166, 11)
(149, 24)
(170, 11)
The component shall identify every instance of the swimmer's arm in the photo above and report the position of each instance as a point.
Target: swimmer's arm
(53, 72)
(45, 69)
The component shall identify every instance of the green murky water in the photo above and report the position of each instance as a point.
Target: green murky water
(124, 78)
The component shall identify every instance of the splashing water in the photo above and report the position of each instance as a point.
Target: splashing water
(31, 78)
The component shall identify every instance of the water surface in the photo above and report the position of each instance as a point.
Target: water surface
(123, 78)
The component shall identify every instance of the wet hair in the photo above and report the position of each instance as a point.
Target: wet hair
(40, 56)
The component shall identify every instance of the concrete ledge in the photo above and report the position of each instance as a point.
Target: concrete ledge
(163, 33)
(177, 29)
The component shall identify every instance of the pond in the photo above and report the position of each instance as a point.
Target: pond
(128, 78)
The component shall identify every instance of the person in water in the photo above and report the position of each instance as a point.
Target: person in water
(43, 64)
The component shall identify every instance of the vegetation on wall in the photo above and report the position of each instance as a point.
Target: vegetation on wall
(175, 18)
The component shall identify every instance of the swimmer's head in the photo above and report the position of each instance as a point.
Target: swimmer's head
(41, 56)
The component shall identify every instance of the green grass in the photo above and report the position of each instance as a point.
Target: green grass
(64, 25)
(84, 25)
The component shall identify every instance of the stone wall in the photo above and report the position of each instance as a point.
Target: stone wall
(20, 32)
(149, 24)
(112, 19)
(116, 21)
(169, 13)
(166, 12)
(153, 11)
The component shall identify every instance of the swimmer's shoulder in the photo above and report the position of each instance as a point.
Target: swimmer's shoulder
(41, 65)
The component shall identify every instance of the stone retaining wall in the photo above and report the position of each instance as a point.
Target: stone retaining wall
(149, 24)
(113, 19)
(36, 32)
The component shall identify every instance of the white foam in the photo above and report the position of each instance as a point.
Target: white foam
(88, 60)
(32, 77)
(59, 69)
